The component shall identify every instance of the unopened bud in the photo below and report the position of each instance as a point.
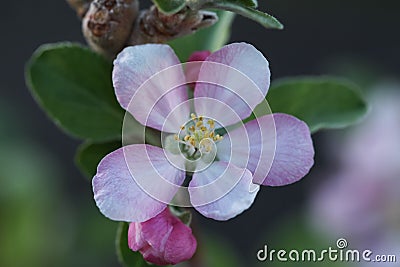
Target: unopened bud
(108, 24)
(155, 27)
(162, 240)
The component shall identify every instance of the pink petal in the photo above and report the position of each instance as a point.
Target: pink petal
(117, 192)
(251, 147)
(150, 100)
(156, 231)
(153, 256)
(279, 149)
(135, 238)
(222, 191)
(240, 78)
(294, 154)
(181, 244)
(222, 113)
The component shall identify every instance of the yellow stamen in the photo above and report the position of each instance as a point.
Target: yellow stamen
(217, 137)
(192, 142)
(211, 123)
(199, 133)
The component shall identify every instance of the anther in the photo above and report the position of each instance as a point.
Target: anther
(192, 142)
(217, 137)
(211, 123)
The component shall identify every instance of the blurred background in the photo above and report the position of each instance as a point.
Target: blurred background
(47, 213)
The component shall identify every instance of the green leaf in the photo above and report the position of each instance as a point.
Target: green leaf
(73, 85)
(212, 38)
(89, 155)
(322, 102)
(247, 3)
(126, 256)
(264, 19)
(170, 6)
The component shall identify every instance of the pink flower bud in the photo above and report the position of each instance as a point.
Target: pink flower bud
(192, 69)
(162, 240)
(199, 56)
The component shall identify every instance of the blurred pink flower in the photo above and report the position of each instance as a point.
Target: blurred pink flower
(361, 201)
(162, 240)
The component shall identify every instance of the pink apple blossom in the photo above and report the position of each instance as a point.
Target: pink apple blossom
(223, 170)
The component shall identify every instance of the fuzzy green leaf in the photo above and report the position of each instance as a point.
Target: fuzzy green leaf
(322, 102)
(73, 85)
(262, 18)
(170, 6)
(89, 155)
(247, 3)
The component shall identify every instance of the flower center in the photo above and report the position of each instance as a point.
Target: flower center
(198, 137)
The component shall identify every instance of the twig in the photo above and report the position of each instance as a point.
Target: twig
(153, 26)
(110, 25)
